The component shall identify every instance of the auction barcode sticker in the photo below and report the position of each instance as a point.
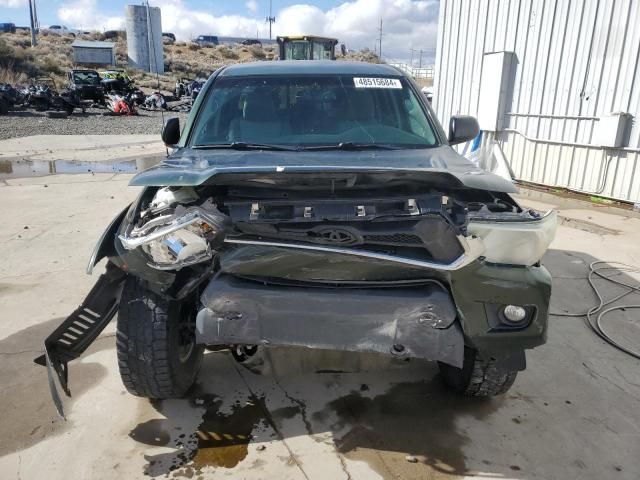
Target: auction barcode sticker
(360, 82)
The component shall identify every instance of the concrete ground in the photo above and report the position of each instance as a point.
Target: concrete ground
(574, 413)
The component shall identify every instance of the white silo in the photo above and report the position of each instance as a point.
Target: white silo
(144, 38)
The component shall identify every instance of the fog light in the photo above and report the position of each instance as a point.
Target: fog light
(514, 313)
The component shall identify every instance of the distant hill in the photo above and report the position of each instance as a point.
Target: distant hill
(53, 57)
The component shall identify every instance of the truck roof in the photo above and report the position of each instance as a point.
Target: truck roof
(310, 67)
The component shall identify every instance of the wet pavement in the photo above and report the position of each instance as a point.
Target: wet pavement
(574, 413)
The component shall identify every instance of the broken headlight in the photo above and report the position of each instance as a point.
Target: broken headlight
(174, 241)
(515, 242)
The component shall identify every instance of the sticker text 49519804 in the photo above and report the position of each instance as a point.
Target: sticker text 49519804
(376, 82)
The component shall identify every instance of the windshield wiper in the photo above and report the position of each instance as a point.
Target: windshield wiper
(244, 146)
(351, 146)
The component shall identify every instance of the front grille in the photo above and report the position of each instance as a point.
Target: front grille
(403, 238)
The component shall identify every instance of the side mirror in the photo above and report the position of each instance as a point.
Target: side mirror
(171, 132)
(462, 128)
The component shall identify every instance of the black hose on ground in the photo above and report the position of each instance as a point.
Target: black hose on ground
(618, 268)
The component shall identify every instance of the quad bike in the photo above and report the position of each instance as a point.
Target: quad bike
(155, 101)
(120, 104)
(11, 96)
(188, 88)
(120, 83)
(43, 96)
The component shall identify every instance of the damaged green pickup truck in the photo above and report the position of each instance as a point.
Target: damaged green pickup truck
(316, 204)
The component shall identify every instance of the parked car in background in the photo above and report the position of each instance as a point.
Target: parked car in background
(7, 27)
(169, 36)
(207, 40)
(252, 41)
(111, 34)
(58, 30)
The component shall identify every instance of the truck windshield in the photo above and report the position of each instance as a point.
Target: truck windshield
(86, 78)
(308, 111)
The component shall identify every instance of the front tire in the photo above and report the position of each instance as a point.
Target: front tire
(157, 353)
(477, 377)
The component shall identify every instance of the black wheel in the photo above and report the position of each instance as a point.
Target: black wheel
(157, 353)
(4, 106)
(478, 377)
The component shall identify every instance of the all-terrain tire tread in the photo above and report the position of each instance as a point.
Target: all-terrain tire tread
(478, 377)
(142, 349)
(488, 380)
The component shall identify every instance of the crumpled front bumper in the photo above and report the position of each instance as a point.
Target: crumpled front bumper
(405, 321)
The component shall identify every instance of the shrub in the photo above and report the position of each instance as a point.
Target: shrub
(6, 52)
(50, 65)
(194, 46)
(257, 52)
(226, 52)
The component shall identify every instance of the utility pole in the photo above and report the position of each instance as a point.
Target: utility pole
(380, 41)
(35, 16)
(420, 51)
(271, 19)
(32, 17)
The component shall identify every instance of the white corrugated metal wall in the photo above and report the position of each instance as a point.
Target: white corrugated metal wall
(577, 60)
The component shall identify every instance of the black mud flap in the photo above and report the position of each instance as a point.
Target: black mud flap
(79, 330)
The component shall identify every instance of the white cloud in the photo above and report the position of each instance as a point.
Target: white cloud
(84, 14)
(406, 23)
(252, 6)
(12, 3)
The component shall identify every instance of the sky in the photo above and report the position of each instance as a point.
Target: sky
(406, 24)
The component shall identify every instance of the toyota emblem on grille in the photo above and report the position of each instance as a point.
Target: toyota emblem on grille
(337, 235)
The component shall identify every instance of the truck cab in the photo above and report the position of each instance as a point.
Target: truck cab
(307, 47)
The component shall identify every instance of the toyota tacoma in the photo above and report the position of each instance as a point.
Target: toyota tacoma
(315, 204)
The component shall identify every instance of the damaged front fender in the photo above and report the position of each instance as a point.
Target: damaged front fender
(104, 247)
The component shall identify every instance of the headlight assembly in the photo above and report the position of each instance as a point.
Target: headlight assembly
(175, 241)
(515, 242)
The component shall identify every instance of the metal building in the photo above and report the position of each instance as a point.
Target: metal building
(93, 53)
(561, 94)
(144, 38)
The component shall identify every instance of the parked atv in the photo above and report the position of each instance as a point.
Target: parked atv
(13, 96)
(188, 88)
(118, 82)
(118, 104)
(155, 101)
(43, 96)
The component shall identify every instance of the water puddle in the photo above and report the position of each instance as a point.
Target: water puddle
(38, 168)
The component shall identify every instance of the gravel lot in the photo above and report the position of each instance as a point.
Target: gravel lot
(23, 123)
